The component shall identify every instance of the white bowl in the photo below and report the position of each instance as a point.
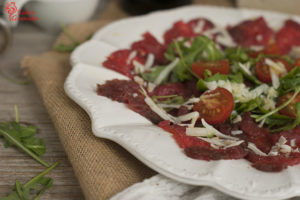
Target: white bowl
(50, 14)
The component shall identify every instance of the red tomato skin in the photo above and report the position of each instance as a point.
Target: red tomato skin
(220, 66)
(215, 109)
(263, 71)
(297, 63)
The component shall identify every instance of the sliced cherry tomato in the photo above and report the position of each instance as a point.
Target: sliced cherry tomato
(297, 63)
(220, 66)
(271, 49)
(290, 109)
(215, 106)
(262, 70)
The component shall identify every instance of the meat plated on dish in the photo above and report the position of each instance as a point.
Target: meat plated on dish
(223, 93)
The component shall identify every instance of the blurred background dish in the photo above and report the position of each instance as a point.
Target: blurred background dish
(50, 14)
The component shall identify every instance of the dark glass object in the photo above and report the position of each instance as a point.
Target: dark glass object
(138, 7)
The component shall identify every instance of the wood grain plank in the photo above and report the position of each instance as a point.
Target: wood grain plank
(14, 164)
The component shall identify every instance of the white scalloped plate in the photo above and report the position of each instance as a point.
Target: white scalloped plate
(150, 144)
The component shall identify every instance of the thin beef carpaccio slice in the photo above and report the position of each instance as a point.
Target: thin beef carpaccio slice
(251, 33)
(199, 149)
(273, 163)
(149, 44)
(189, 29)
(128, 92)
(121, 61)
(288, 36)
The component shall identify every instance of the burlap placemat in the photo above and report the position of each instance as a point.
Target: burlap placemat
(102, 167)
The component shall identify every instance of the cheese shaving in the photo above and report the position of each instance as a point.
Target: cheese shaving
(246, 68)
(276, 66)
(149, 61)
(256, 150)
(166, 71)
(275, 79)
(130, 57)
(158, 110)
(237, 132)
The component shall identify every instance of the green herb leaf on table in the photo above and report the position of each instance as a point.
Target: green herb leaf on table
(23, 137)
(33, 189)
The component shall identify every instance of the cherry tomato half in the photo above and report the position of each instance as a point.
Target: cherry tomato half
(262, 70)
(215, 106)
(220, 66)
(290, 109)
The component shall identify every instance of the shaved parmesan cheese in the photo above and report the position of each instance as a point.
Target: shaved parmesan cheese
(151, 87)
(199, 132)
(276, 66)
(256, 150)
(130, 57)
(234, 144)
(149, 61)
(237, 119)
(261, 124)
(158, 110)
(199, 27)
(134, 95)
(138, 67)
(166, 71)
(138, 80)
(237, 132)
(293, 142)
(275, 79)
(190, 116)
(215, 132)
(246, 68)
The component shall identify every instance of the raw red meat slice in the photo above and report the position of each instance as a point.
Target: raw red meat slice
(251, 32)
(127, 91)
(185, 30)
(179, 29)
(179, 135)
(288, 36)
(273, 163)
(149, 44)
(171, 89)
(194, 23)
(118, 61)
(261, 137)
(209, 153)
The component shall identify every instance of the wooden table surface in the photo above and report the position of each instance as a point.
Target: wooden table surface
(14, 164)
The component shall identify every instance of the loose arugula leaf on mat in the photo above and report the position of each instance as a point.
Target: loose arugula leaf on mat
(13, 80)
(68, 48)
(23, 137)
(33, 189)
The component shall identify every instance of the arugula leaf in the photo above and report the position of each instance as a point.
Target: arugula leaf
(290, 81)
(248, 106)
(23, 137)
(170, 99)
(238, 77)
(201, 48)
(23, 192)
(236, 54)
(249, 77)
(153, 74)
(266, 115)
(289, 126)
